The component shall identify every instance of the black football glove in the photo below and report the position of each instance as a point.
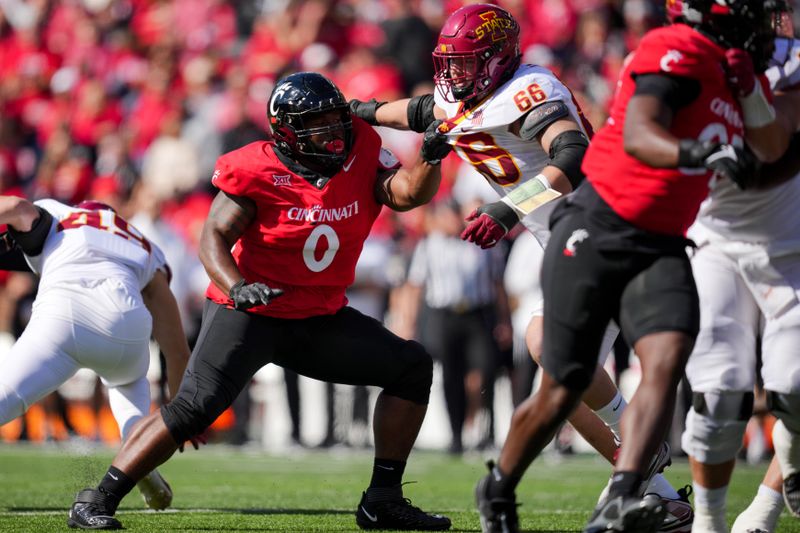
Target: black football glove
(365, 110)
(246, 295)
(737, 164)
(434, 144)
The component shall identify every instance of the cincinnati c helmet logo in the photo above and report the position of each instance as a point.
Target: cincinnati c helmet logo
(278, 92)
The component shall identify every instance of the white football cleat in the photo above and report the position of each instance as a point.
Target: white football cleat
(156, 491)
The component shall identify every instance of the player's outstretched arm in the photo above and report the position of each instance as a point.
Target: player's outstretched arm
(18, 213)
(415, 113)
(167, 328)
(403, 189)
(227, 220)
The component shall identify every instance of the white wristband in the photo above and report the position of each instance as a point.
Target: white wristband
(530, 195)
(758, 112)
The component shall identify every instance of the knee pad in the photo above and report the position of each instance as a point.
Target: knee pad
(414, 384)
(11, 404)
(787, 408)
(715, 425)
(193, 410)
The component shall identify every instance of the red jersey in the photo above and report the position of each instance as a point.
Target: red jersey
(305, 240)
(665, 200)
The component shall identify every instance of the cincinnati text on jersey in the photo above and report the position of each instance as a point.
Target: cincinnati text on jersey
(318, 214)
(726, 110)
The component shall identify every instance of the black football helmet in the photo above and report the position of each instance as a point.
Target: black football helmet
(310, 121)
(748, 24)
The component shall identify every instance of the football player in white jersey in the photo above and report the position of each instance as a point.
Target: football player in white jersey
(747, 267)
(103, 289)
(521, 128)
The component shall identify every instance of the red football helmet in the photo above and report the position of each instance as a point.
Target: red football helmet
(478, 49)
(748, 24)
(93, 205)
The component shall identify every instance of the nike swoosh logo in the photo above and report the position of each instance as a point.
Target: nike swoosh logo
(115, 478)
(373, 518)
(348, 165)
(617, 406)
(385, 467)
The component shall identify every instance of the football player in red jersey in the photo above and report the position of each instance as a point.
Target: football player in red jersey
(280, 245)
(617, 250)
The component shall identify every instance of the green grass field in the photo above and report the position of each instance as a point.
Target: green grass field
(227, 489)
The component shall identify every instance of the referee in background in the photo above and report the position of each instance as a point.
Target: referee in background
(465, 320)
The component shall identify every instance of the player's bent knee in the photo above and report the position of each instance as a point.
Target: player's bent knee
(414, 384)
(11, 404)
(186, 415)
(786, 407)
(572, 375)
(715, 425)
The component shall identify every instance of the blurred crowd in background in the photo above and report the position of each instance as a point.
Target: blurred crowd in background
(130, 102)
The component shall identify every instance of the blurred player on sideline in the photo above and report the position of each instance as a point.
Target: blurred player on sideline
(103, 290)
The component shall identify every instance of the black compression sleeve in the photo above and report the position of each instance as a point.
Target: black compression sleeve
(675, 91)
(32, 241)
(566, 154)
(420, 113)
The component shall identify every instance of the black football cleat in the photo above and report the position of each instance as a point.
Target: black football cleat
(93, 509)
(497, 515)
(628, 514)
(397, 514)
(791, 493)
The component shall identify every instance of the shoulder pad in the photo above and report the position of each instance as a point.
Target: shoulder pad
(678, 51)
(387, 160)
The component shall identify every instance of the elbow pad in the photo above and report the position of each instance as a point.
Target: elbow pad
(420, 113)
(32, 241)
(566, 154)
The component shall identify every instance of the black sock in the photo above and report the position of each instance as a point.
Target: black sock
(625, 484)
(502, 485)
(387, 473)
(116, 483)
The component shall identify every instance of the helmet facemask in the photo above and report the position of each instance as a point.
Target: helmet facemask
(322, 139)
(310, 122)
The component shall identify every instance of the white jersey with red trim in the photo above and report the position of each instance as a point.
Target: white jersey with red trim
(85, 247)
(481, 136)
(758, 216)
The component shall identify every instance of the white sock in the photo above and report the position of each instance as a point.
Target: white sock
(611, 414)
(762, 513)
(787, 449)
(659, 485)
(710, 502)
